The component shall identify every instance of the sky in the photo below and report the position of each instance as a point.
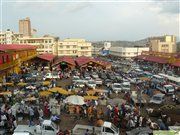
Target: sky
(95, 20)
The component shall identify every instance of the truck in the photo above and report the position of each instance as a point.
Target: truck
(46, 128)
(106, 129)
(167, 89)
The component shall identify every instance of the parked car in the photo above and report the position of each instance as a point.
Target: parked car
(91, 84)
(98, 81)
(51, 76)
(125, 86)
(116, 87)
(94, 75)
(158, 99)
(79, 84)
(108, 82)
(167, 89)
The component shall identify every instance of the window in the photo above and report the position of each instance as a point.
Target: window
(74, 51)
(67, 47)
(49, 41)
(68, 52)
(48, 128)
(108, 130)
(46, 41)
(60, 46)
(74, 46)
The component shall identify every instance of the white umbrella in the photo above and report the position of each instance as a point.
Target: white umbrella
(75, 100)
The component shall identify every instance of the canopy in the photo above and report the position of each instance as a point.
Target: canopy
(22, 84)
(6, 93)
(46, 83)
(9, 84)
(44, 93)
(90, 92)
(59, 90)
(75, 100)
(30, 99)
(90, 98)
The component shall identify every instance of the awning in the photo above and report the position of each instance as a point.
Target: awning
(66, 59)
(46, 56)
(176, 64)
(153, 59)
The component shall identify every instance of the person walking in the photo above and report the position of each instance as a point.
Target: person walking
(31, 116)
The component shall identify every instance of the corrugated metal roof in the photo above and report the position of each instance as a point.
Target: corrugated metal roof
(8, 47)
(47, 56)
(66, 59)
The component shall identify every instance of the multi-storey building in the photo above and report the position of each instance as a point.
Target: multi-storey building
(12, 56)
(45, 44)
(25, 26)
(166, 44)
(74, 47)
(9, 37)
(127, 52)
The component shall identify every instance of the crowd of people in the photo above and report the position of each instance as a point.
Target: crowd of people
(126, 115)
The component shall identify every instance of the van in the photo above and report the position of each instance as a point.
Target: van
(157, 79)
(157, 99)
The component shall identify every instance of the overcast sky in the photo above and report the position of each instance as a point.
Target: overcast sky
(100, 20)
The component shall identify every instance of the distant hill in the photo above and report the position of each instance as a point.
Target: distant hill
(142, 42)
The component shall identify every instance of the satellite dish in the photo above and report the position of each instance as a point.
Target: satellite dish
(107, 45)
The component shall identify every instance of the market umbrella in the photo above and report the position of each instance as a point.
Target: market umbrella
(99, 90)
(6, 93)
(46, 83)
(63, 91)
(75, 100)
(90, 97)
(55, 89)
(9, 84)
(44, 93)
(22, 84)
(30, 99)
(90, 92)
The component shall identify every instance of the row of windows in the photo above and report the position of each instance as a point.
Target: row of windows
(67, 52)
(67, 46)
(43, 47)
(166, 45)
(33, 41)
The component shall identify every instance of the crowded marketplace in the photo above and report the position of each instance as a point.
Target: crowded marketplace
(105, 95)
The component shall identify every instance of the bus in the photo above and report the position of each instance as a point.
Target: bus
(158, 79)
(173, 80)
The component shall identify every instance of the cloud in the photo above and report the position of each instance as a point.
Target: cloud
(167, 6)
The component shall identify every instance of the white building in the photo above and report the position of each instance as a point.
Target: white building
(74, 47)
(127, 52)
(45, 44)
(9, 37)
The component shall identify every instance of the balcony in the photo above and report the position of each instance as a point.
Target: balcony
(8, 65)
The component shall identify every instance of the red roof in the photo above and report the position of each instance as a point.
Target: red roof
(83, 60)
(176, 64)
(153, 59)
(5, 47)
(66, 59)
(47, 56)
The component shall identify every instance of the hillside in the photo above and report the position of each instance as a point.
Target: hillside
(122, 43)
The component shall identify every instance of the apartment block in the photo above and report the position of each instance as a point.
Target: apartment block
(9, 37)
(166, 44)
(74, 47)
